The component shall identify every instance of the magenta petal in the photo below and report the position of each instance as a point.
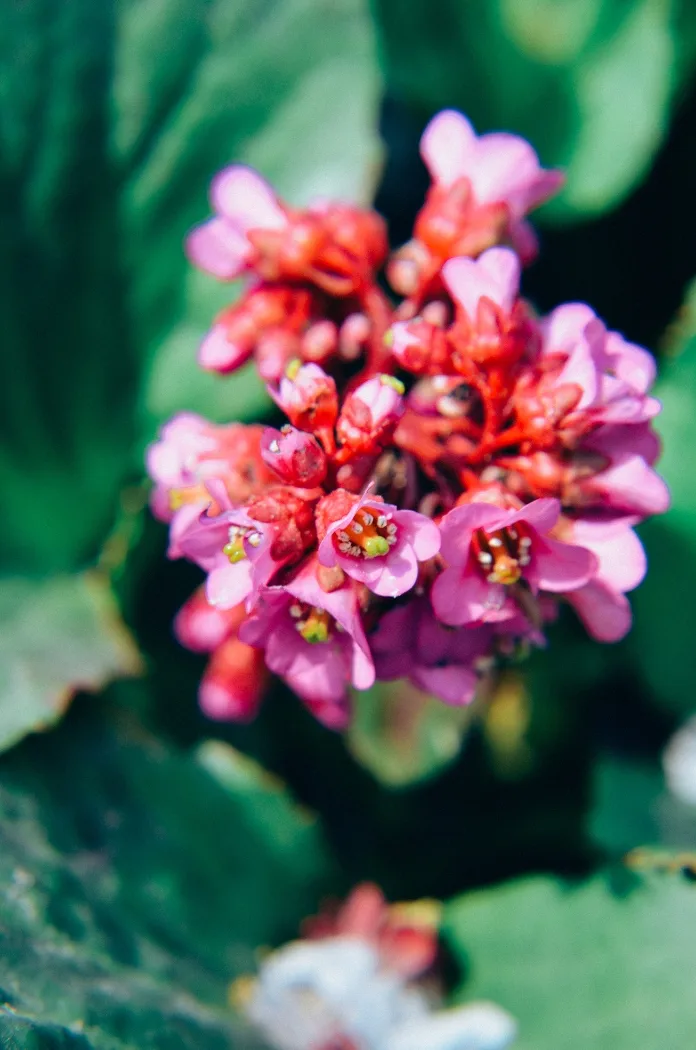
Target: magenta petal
(622, 561)
(494, 274)
(228, 585)
(458, 525)
(185, 523)
(218, 248)
(389, 576)
(632, 485)
(446, 146)
(581, 369)
(453, 684)
(327, 554)
(459, 598)
(562, 567)
(605, 614)
(217, 354)
(541, 514)
(242, 196)
(420, 532)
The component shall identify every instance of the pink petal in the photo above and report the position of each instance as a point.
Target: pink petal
(622, 561)
(228, 585)
(242, 196)
(421, 532)
(524, 240)
(634, 486)
(195, 536)
(495, 274)
(631, 363)
(507, 169)
(565, 325)
(217, 354)
(454, 684)
(458, 525)
(540, 514)
(218, 248)
(605, 614)
(561, 567)
(390, 576)
(581, 369)
(446, 147)
(461, 598)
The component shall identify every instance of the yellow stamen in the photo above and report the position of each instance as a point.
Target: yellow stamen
(374, 546)
(235, 550)
(393, 382)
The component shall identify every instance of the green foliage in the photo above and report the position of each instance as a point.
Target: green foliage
(590, 83)
(135, 889)
(661, 644)
(56, 635)
(593, 965)
(107, 143)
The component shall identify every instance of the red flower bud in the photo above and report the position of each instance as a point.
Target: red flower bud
(295, 456)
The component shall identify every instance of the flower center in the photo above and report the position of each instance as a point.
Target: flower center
(369, 535)
(502, 554)
(313, 623)
(234, 549)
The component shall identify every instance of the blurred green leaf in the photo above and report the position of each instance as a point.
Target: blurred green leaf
(136, 883)
(591, 83)
(402, 735)
(290, 88)
(661, 645)
(626, 798)
(583, 966)
(113, 119)
(56, 636)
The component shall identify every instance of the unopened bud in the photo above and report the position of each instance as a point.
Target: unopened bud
(295, 456)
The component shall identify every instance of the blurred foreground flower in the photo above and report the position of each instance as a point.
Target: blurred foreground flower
(451, 466)
(354, 985)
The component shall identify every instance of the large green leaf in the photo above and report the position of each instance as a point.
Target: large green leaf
(136, 883)
(113, 119)
(290, 88)
(56, 636)
(661, 644)
(591, 83)
(583, 966)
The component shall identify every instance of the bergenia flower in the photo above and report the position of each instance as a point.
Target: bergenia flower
(294, 456)
(378, 544)
(308, 397)
(233, 548)
(422, 506)
(335, 993)
(501, 169)
(242, 201)
(315, 640)
(411, 643)
(370, 413)
(487, 550)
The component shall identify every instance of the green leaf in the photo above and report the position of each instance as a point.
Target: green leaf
(591, 83)
(583, 966)
(294, 95)
(56, 636)
(661, 644)
(136, 883)
(113, 119)
(402, 735)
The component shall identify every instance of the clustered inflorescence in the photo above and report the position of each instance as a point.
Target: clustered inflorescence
(452, 464)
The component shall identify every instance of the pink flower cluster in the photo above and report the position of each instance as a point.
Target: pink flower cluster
(451, 465)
